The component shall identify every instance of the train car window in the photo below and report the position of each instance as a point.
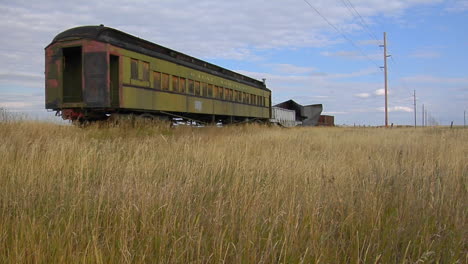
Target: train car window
(210, 90)
(204, 89)
(175, 83)
(191, 86)
(182, 85)
(197, 88)
(157, 80)
(145, 71)
(165, 82)
(134, 69)
(221, 92)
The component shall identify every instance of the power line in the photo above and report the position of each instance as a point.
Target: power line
(394, 62)
(403, 83)
(357, 15)
(341, 33)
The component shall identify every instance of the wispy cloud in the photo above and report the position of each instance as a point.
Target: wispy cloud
(334, 113)
(425, 54)
(380, 92)
(351, 55)
(363, 95)
(22, 101)
(372, 42)
(457, 6)
(436, 79)
(396, 109)
(292, 69)
(25, 79)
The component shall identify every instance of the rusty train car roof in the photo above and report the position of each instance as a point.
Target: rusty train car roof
(127, 41)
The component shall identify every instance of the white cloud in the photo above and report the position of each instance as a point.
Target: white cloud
(380, 92)
(363, 95)
(396, 109)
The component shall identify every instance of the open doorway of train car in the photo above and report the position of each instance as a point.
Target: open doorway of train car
(114, 80)
(72, 75)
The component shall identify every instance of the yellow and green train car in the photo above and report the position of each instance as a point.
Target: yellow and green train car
(94, 72)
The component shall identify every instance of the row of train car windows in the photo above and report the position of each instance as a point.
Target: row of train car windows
(161, 81)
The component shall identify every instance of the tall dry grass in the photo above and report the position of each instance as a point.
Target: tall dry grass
(250, 194)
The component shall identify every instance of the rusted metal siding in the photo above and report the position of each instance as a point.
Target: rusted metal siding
(95, 75)
(96, 90)
(53, 93)
(326, 120)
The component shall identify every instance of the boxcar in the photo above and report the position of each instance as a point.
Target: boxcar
(93, 72)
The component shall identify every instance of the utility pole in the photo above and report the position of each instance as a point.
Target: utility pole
(385, 73)
(423, 115)
(414, 95)
(464, 118)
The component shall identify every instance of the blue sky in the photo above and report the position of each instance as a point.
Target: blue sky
(287, 42)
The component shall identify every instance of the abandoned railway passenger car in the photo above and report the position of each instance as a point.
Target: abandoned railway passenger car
(93, 72)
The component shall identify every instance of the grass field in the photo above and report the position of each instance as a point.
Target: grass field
(249, 194)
